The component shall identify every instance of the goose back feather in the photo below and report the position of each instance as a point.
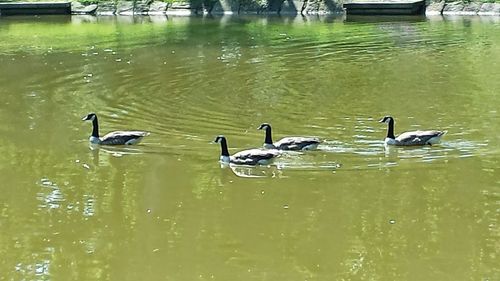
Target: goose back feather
(288, 143)
(419, 137)
(123, 137)
(297, 143)
(256, 156)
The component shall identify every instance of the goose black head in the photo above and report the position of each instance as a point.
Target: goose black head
(89, 117)
(219, 139)
(386, 119)
(264, 126)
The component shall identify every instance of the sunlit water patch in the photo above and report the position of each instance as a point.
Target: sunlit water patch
(51, 196)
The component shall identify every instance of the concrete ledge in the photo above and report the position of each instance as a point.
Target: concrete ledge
(385, 7)
(35, 8)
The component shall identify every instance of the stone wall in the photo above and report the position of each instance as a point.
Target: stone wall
(210, 7)
(284, 7)
(461, 8)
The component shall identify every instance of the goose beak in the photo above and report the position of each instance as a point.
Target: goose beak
(85, 118)
(381, 120)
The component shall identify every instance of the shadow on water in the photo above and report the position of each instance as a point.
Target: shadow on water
(379, 19)
(49, 19)
(253, 172)
(141, 149)
(119, 150)
(279, 170)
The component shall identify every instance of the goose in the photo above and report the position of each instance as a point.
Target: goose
(252, 157)
(410, 138)
(288, 143)
(112, 138)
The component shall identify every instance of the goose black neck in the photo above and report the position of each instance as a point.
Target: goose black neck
(390, 129)
(95, 127)
(223, 147)
(269, 138)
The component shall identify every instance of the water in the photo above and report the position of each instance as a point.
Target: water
(166, 210)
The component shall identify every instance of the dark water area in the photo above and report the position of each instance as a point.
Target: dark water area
(166, 210)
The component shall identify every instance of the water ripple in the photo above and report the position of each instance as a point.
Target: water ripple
(50, 196)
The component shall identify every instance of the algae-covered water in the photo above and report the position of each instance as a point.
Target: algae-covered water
(166, 210)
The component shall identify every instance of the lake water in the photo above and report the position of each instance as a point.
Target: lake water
(166, 210)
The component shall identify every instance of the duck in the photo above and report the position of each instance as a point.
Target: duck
(429, 137)
(288, 143)
(252, 157)
(113, 138)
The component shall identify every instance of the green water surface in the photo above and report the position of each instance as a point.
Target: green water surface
(166, 210)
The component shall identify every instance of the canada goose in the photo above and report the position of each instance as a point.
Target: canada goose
(112, 138)
(288, 143)
(410, 138)
(246, 157)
